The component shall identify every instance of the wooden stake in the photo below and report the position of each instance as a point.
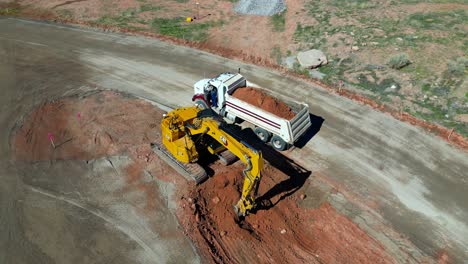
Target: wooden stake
(450, 135)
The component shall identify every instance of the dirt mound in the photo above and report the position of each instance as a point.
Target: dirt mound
(261, 100)
(98, 125)
(282, 233)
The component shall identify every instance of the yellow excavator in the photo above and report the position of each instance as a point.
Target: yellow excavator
(188, 131)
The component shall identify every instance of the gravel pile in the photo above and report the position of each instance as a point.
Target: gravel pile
(260, 7)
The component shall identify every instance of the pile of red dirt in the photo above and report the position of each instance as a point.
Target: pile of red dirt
(262, 100)
(98, 125)
(283, 233)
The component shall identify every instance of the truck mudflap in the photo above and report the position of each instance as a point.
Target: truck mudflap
(300, 123)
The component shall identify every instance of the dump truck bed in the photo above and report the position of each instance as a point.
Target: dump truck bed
(288, 130)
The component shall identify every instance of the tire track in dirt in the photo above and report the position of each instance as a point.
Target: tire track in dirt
(97, 213)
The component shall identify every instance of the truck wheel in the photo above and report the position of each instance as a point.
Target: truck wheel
(278, 143)
(262, 134)
(201, 104)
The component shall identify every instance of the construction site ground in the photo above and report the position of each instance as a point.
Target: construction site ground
(361, 187)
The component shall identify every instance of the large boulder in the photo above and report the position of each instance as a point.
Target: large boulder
(312, 58)
(260, 7)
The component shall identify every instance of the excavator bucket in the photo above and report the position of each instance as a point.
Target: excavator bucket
(191, 171)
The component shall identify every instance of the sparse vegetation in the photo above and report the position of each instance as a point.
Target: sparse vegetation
(9, 11)
(399, 61)
(149, 7)
(279, 21)
(177, 27)
(455, 69)
(299, 70)
(123, 19)
(426, 37)
(276, 54)
(65, 13)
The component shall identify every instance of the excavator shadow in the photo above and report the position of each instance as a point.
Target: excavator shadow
(297, 174)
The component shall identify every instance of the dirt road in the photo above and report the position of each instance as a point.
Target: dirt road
(405, 188)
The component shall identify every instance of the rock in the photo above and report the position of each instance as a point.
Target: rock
(312, 58)
(189, 200)
(193, 206)
(283, 231)
(223, 233)
(260, 7)
(374, 43)
(355, 48)
(197, 218)
(215, 200)
(302, 196)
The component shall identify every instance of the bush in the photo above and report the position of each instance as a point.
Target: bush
(455, 68)
(399, 61)
(279, 21)
(463, 60)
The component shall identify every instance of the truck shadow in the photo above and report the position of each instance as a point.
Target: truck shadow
(317, 122)
(281, 190)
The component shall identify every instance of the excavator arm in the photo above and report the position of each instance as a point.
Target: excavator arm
(179, 129)
(251, 157)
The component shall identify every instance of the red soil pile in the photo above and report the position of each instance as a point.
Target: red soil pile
(98, 125)
(261, 100)
(284, 233)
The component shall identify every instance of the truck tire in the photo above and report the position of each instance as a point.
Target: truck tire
(278, 143)
(201, 104)
(262, 134)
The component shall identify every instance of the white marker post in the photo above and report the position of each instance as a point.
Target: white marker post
(51, 139)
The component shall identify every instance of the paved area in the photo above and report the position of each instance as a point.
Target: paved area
(416, 182)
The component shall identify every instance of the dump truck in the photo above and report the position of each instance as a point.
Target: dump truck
(217, 94)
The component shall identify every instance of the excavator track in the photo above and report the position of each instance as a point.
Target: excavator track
(191, 171)
(227, 157)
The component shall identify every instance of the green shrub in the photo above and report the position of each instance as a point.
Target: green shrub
(399, 61)
(177, 27)
(279, 21)
(456, 68)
